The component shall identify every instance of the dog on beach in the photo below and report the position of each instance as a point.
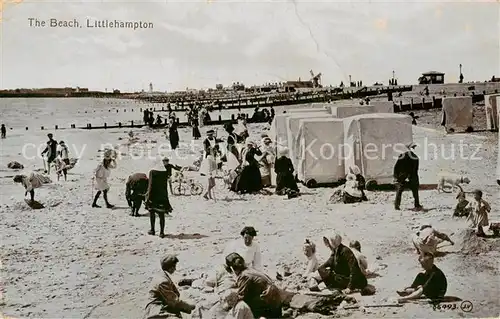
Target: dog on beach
(451, 179)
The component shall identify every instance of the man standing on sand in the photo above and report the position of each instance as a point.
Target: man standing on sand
(4, 131)
(51, 150)
(406, 174)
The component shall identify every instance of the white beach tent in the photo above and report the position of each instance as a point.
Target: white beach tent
(381, 106)
(342, 111)
(288, 108)
(498, 159)
(292, 127)
(309, 110)
(319, 151)
(279, 132)
(490, 106)
(373, 142)
(457, 112)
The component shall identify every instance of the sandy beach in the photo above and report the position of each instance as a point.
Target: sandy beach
(72, 261)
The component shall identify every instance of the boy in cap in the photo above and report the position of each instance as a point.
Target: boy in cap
(406, 174)
(165, 295)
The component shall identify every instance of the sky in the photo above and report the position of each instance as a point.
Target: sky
(198, 44)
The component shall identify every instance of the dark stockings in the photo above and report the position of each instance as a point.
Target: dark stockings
(152, 218)
(105, 196)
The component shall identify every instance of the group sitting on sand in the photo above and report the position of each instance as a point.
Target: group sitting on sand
(242, 290)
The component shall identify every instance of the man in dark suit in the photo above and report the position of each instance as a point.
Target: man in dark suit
(406, 174)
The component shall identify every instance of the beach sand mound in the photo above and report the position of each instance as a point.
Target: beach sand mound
(469, 243)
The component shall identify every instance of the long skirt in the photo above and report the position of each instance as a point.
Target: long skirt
(285, 181)
(248, 181)
(196, 132)
(174, 139)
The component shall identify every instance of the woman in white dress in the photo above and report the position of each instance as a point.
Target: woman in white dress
(247, 248)
(266, 161)
(101, 178)
(210, 170)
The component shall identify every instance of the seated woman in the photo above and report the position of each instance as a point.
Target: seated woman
(351, 193)
(285, 180)
(360, 179)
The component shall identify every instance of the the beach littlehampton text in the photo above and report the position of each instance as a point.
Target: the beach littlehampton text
(89, 23)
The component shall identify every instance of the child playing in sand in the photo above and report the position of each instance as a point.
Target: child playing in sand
(478, 213)
(461, 208)
(30, 182)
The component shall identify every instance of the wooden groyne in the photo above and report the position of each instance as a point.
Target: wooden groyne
(274, 100)
(416, 103)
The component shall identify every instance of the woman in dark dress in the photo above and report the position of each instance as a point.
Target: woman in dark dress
(285, 180)
(196, 130)
(249, 180)
(231, 139)
(173, 134)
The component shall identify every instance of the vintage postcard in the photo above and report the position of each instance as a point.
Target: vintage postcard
(249, 159)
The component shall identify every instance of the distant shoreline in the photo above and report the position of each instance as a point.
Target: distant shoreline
(65, 95)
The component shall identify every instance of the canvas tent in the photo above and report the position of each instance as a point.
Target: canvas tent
(381, 106)
(342, 111)
(498, 160)
(279, 131)
(288, 108)
(309, 110)
(292, 127)
(457, 112)
(490, 106)
(373, 142)
(319, 151)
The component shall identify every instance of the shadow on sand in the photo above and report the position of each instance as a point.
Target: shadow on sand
(185, 236)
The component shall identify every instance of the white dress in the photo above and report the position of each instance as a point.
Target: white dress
(251, 254)
(101, 177)
(205, 163)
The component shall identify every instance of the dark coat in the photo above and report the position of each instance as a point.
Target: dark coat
(344, 264)
(406, 168)
(283, 168)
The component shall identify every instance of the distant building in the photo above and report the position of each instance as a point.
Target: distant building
(293, 86)
(431, 77)
(219, 86)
